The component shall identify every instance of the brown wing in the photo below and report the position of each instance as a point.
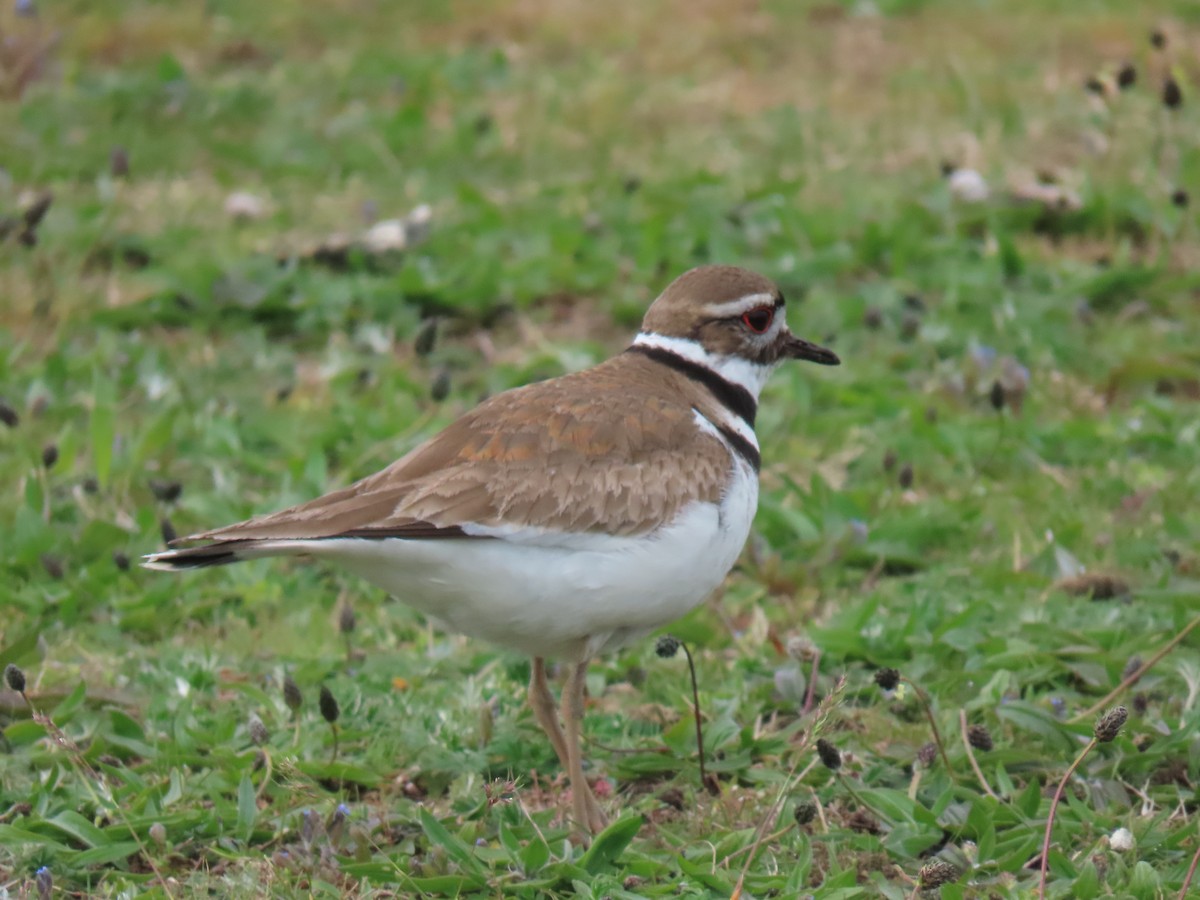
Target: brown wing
(577, 453)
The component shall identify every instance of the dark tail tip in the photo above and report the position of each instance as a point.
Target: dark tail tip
(190, 558)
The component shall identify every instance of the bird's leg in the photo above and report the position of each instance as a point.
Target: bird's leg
(545, 710)
(583, 803)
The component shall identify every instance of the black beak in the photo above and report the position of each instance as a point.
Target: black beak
(798, 348)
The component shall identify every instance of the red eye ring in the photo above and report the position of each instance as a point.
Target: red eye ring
(759, 319)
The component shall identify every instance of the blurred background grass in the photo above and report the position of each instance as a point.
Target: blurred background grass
(204, 325)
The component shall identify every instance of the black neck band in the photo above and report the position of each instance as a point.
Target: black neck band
(733, 397)
(741, 446)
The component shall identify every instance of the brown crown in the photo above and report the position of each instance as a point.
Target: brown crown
(680, 310)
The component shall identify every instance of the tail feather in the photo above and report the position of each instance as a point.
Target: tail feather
(219, 553)
(232, 550)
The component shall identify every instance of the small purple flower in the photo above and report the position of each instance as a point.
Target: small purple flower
(336, 825)
(982, 356)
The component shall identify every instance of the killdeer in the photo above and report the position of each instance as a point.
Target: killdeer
(573, 516)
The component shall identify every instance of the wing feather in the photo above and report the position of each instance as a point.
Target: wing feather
(571, 454)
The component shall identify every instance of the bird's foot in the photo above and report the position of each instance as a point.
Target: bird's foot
(585, 810)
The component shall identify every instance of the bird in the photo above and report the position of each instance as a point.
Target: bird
(570, 517)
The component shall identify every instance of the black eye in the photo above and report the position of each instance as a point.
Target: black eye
(759, 320)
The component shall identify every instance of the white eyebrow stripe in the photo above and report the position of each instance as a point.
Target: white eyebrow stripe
(732, 308)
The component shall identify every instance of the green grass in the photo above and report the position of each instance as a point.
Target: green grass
(576, 157)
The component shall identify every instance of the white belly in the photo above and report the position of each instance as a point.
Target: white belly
(557, 595)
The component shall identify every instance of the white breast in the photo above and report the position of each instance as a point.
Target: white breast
(561, 595)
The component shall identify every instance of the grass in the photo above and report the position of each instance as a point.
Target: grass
(1013, 564)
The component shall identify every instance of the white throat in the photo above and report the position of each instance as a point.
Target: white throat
(735, 369)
